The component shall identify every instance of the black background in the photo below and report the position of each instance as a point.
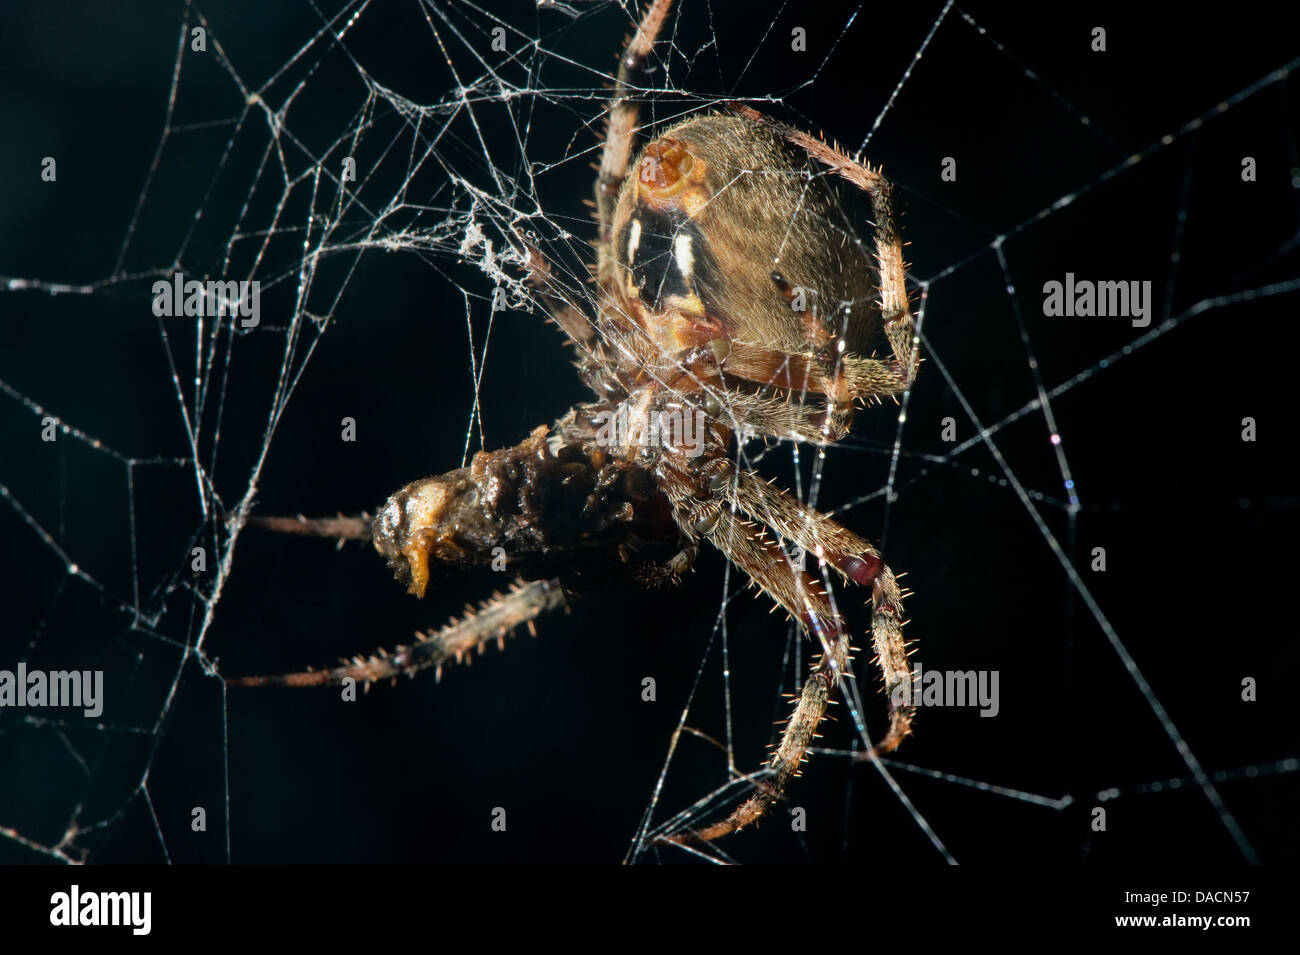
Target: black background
(1197, 525)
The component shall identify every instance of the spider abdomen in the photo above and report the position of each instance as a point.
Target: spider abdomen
(724, 230)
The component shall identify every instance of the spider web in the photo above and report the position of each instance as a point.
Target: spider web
(1120, 689)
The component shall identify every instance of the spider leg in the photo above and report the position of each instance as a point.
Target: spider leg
(866, 377)
(748, 545)
(616, 153)
(494, 618)
(857, 560)
(769, 415)
(556, 298)
(623, 114)
(670, 571)
(843, 379)
(804, 598)
(341, 528)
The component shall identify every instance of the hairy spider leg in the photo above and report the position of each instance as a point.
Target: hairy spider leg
(458, 639)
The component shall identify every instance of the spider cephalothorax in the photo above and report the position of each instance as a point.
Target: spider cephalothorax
(733, 298)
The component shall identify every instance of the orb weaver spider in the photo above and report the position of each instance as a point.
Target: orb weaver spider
(731, 289)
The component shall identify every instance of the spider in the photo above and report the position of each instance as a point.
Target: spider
(734, 300)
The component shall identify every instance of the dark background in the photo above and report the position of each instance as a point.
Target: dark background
(1197, 525)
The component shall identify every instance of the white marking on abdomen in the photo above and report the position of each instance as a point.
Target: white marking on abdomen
(685, 257)
(633, 240)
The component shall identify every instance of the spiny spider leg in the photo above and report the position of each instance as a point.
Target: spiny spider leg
(749, 547)
(865, 377)
(623, 112)
(781, 417)
(494, 618)
(857, 560)
(556, 299)
(804, 598)
(616, 153)
(843, 379)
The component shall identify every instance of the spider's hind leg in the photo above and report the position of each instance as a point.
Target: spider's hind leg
(755, 553)
(857, 560)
